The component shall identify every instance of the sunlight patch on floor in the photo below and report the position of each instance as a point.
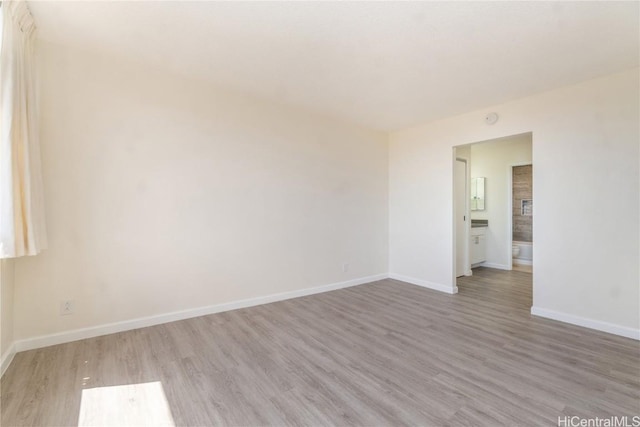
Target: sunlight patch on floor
(143, 404)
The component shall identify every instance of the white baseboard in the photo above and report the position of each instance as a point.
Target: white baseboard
(425, 283)
(522, 261)
(6, 358)
(127, 325)
(598, 325)
(494, 265)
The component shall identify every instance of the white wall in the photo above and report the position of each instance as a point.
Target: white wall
(586, 188)
(492, 159)
(165, 194)
(6, 312)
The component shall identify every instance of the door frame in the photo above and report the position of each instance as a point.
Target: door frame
(509, 202)
(467, 228)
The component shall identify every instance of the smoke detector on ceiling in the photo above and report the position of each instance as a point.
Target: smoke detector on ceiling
(491, 118)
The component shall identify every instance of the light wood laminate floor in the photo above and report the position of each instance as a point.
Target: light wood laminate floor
(385, 353)
(522, 267)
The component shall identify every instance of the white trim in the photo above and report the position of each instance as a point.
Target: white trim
(425, 283)
(493, 265)
(598, 325)
(467, 215)
(518, 261)
(7, 358)
(143, 322)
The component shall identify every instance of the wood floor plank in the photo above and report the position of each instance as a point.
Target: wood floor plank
(384, 353)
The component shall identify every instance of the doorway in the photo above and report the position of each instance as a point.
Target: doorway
(484, 204)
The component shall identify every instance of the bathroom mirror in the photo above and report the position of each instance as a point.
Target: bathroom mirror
(477, 194)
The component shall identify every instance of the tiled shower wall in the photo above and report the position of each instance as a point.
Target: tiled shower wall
(522, 189)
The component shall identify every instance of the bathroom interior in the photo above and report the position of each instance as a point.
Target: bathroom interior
(522, 218)
(498, 199)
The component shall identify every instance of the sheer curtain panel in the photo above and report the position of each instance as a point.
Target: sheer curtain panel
(22, 227)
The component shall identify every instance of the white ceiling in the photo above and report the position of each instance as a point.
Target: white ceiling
(383, 65)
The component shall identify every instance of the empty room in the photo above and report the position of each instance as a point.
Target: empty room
(319, 213)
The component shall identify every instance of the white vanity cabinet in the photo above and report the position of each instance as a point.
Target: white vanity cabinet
(478, 251)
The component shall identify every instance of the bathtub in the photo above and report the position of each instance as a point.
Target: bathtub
(526, 253)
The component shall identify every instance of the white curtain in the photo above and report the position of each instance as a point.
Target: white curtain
(22, 228)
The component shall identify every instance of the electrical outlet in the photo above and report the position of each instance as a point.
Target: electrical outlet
(67, 307)
(345, 268)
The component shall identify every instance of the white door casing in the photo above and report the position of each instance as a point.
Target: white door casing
(460, 212)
